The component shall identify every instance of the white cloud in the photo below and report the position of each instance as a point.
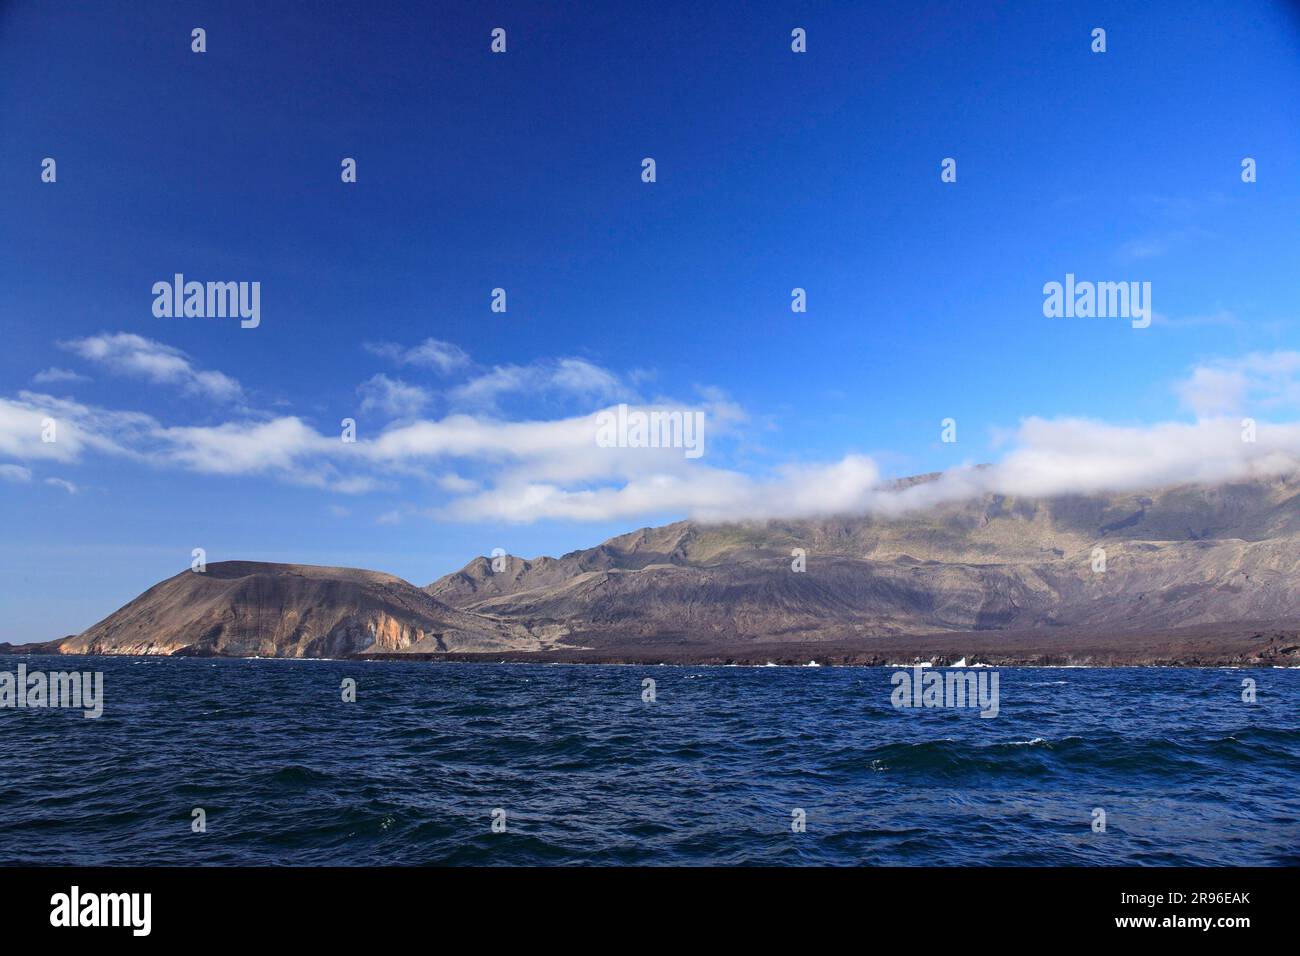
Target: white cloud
(285, 448)
(456, 484)
(532, 471)
(244, 448)
(708, 494)
(355, 485)
(580, 377)
(1261, 380)
(66, 485)
(572, 377)
(54, 376)
(135, 356)
(575, 379)
(482, 468)
(561, 450)
(431, 353)
(1051, 457)
(26, 421)
(1066, 456)
(393, 397)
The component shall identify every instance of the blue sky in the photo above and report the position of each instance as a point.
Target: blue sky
(522, 171)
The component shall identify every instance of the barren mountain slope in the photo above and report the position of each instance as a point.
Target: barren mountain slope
(248, 609)
(1179, 556)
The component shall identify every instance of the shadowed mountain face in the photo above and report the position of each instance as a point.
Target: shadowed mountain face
(1177, 557)
(1023, 575)
(249, 609)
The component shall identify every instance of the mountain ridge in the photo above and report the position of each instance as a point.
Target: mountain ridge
(1175, 557)
(1040, 571)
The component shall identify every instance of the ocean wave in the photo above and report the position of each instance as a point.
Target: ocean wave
(708, 773)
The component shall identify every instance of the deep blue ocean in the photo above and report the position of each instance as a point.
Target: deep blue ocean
(588, 772)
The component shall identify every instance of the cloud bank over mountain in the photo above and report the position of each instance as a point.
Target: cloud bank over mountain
(475, 461)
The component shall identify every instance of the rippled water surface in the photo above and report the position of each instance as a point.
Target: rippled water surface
(589, 773)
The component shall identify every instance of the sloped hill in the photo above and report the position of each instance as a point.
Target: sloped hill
(251, 609)
(1174, 557)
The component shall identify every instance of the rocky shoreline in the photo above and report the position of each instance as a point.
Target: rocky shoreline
(1243, 645)
(1248, 644)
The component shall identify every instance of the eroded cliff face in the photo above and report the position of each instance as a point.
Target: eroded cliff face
(381, 632)
(141, 647)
